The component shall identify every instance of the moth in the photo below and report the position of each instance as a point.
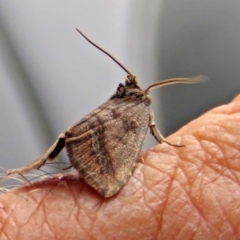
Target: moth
(104, 145)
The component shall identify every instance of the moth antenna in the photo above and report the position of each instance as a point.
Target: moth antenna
(108, 54)
(190, 80)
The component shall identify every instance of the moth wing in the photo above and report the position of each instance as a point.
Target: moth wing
(106, 152)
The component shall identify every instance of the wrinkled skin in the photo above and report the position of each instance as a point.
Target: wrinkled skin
(175, 193)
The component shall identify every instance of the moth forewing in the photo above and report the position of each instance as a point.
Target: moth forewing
(106, 153)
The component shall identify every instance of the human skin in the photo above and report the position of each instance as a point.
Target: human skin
(175, 193)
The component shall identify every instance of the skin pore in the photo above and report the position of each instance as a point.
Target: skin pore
(175, 193)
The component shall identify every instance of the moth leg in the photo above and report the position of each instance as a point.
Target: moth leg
(66, 168)
(73, 139)
(50, 154)
(156, 133)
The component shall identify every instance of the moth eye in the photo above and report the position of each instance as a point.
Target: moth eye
(120, 86)
(67, 134)
(121, 90)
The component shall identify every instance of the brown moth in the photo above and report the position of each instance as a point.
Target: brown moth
(104, 146)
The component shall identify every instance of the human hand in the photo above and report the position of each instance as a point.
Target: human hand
(175, 193)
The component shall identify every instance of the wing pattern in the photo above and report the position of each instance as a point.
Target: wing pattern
(105, 144)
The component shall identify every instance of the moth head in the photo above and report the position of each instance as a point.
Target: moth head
(131, 89)
(128, 88)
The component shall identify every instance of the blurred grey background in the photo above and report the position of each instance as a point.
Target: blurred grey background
(50, 77)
